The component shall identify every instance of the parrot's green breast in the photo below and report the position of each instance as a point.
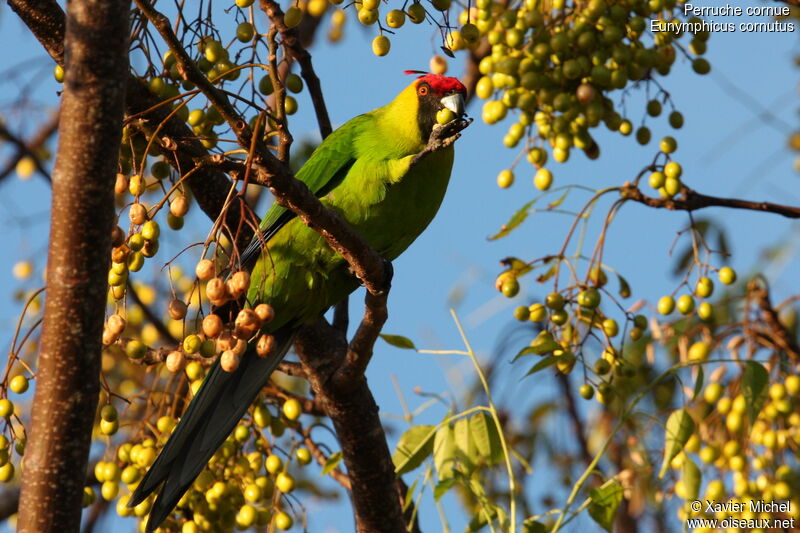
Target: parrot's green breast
(388, 204)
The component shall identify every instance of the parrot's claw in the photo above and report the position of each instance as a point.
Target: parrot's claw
(443, 135)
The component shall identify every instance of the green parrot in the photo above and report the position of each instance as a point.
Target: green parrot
(364, 171)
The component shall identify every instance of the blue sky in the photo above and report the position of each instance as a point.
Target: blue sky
(734, 143)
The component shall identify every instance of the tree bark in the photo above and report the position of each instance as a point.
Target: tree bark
(82, 216)
(354, 413)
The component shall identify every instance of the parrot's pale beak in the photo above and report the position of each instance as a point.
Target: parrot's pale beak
(455, 103)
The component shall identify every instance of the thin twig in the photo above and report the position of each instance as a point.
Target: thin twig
(28, 149)
(691, 200)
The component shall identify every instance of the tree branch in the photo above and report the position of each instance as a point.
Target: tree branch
(759, 290)
(46, 21)
(577, 424)
(82, 217)
(298, 52)
(354, 414)
(692, 201)
(28, 148)
(359, 351)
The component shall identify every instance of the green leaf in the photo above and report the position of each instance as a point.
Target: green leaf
(516, 264)
(698, 384)
(559, 201)
(477, 523)
(466, 451)
(533, 526)
(409, 499)
(516, 219)
(624, 287)
(680, 427)
(755, 379)
(541, 278)
(523, 352)
(692, 478)
(482, 516)
(398, 341)
(502, 518)
(442, 487)
(487, 439)
(604, 503)
(415, 445)
(331, 462)
(550, 360)
(444, 452)
(544, 343)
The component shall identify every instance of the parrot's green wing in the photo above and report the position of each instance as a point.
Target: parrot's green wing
(324, 170)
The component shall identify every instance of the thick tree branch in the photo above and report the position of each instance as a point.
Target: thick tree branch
(46, 21)
(82, 217)
(691, 200)
(354, 414)
(359, 351)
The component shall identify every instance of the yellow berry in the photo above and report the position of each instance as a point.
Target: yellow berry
(381, 45)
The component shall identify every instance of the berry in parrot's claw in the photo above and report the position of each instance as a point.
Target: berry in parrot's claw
(444, 116)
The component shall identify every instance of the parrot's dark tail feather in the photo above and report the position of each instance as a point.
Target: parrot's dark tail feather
(219, 405)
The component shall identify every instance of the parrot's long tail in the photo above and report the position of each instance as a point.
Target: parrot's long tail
(211, 416)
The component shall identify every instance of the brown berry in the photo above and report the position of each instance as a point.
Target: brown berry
(265, 345)
(247, 322)
(438, 65)
(230, 289)
(229, 361)
(218, 302)
(215, 289)
(175, 360)
(212, 326)
(117, 237)
(116, 324)
(585, 93)
(225, 341)
(120, 253)
(265, 313)
(179, 206)
(109, 337)
(138, 214)
(121, 185)
(240, 347)
(177, 309)
(204, 269)
(240, 282)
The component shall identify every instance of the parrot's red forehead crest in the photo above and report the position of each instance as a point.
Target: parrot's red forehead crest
(440, 84)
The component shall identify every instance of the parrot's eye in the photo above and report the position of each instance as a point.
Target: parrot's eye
(423, 90)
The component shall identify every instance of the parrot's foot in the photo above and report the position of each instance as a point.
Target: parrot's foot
(388, 274)
(442, 136)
